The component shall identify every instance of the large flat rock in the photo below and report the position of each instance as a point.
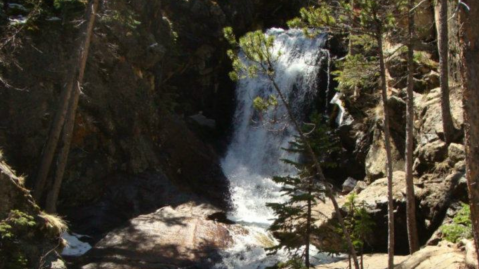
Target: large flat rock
(186, 236)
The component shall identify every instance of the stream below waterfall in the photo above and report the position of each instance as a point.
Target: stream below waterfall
(254, 154)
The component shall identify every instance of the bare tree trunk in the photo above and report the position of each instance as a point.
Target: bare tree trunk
(319, 172)
(389, 164)
(469, 38)
(59, 120)
(411, 200)
(53, 137)
(70, 120)
(308, 224)
(362, 257)
(443, 46)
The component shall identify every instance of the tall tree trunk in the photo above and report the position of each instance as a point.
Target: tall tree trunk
(443, 46)
(469, 38)
(53, 137)
(308, 223)
(410, 201)
(319, 172)
(73, 104)
(389, 164)
(59, 120)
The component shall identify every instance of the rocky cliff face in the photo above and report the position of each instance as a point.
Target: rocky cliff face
(152, 65)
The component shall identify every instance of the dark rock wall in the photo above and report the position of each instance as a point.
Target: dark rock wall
(152, 64)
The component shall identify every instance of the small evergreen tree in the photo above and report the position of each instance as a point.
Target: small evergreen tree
(359, 224)
(295, 223)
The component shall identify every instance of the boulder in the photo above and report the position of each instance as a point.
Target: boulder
(455, 153)
(471, 254)
(376, 158)
(444, 256)
(172, 237)
(430, 117)
(349, 185)
(370, 261)
(436, 196)
(427, 155)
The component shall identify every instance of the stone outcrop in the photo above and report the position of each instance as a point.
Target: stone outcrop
(444, 256)
(172, 237)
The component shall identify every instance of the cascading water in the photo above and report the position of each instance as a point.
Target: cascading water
(256, 149)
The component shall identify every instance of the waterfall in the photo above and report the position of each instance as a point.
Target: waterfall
(254, 154)
(256, 149)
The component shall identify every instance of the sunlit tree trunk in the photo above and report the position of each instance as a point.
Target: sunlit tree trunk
(469, 38)
(389, 165)
(410, 201)
(72, 107)
(443, 46)
(308, 223)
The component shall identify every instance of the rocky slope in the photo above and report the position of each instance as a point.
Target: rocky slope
(28, 237)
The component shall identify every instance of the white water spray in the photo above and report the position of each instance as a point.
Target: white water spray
(256, 149)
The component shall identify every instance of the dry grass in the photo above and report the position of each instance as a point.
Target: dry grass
(54, 224)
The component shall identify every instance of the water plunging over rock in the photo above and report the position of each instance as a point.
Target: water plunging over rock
(255, 152)
(254, 155)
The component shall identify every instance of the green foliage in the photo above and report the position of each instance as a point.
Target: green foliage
(60, 4)
(128, 18)
(341, 17)
(257, 54)
(358, 222)
(12, 230)
(263, 104)
(357, 71)
(461, 226)
(365, 22)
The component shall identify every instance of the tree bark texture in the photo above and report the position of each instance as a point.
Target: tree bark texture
(443, 47)
(72, 107)
(389, 164)
(410, 199)
(469, 39)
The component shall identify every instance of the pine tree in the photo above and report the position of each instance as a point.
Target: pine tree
(373, 19)
(295, 223)
(359, 224)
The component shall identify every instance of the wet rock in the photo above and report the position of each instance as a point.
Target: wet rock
(203, 121)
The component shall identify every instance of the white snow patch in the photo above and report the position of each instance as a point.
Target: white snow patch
(74, 247)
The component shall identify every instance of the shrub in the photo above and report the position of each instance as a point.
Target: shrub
(461, 226)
